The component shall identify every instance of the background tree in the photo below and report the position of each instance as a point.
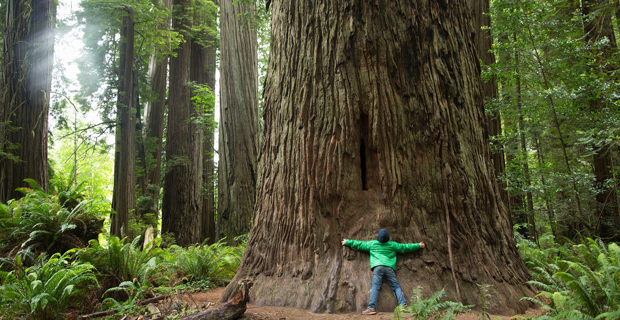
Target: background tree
(124, 195)
(209, 177)
(598, 28)
(180, 216)
(27, 56)
(372, 113)
(239, 128)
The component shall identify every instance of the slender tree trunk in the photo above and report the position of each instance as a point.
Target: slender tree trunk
(155, 113)
(541, 163)
(238, 131)
(124, 193)
(598, 25)
(529, 210)
(178, 211)
(371, 113)
(208, 207)
(25, 94)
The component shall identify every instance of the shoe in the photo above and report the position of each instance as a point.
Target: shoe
(369, 311)
(405, 308)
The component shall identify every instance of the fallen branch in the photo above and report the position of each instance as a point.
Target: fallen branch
(113, 311)
(231, 310)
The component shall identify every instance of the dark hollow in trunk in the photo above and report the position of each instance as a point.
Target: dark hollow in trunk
(404, 78)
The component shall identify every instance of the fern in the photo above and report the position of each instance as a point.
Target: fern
(45, 290)
(434, 307)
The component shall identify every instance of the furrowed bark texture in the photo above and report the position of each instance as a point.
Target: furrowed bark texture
(124, 193)
(24, 95)
(179, 214)
(374, 109)
(484, 43)
(238, 130)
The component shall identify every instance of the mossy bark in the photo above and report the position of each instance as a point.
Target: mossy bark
(373, 110)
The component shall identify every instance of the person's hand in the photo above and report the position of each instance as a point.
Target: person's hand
(422, 245)
(343, 241)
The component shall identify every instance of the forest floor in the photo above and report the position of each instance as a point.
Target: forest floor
(255, 312)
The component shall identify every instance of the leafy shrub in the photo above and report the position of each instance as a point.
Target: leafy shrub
(578, 281)
(45, 290)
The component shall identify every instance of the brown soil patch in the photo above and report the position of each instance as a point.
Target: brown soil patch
(254, 312)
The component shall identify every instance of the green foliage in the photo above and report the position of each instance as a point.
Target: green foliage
(430, 308)
(45, 290)
(39, 223)
(119, 262)
(549, 75)
(206, 266)
(577, 281)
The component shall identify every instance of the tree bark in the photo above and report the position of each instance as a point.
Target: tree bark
(26, 73)
(484, 44)
(370, 108)
(598, 25)
(208, 230)
(178, 213)
(238, 130)
(124, 193)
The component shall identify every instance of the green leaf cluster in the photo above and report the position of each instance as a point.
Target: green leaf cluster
(577, 281)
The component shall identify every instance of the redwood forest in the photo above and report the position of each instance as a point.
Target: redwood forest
(214, 159)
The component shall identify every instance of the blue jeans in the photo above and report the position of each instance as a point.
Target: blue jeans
(378, 273)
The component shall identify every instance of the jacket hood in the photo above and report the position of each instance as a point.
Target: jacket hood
(383, 236)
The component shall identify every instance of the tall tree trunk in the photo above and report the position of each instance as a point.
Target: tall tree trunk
(25, 94)
(484, 43)
(153, 132)
(197, 74)
(178, 215)
(528, 211)
(208, 207)
(598, 25)
(124, 193)
(372, 112)
(541, 163)
(238, 131)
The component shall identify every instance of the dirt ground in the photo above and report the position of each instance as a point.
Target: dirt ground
(287, 313)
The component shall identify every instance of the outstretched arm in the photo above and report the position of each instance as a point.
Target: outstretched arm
(355, 244)
(409, 247)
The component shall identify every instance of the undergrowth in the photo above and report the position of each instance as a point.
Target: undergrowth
(576, 281)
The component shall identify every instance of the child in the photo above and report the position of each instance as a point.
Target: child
(382, 263)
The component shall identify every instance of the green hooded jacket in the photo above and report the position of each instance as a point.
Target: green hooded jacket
(382, 254)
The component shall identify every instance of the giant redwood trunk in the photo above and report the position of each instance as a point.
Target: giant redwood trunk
(484, 42)
(26, 75)
(238, 130)
(124, 193)
(373, 110)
